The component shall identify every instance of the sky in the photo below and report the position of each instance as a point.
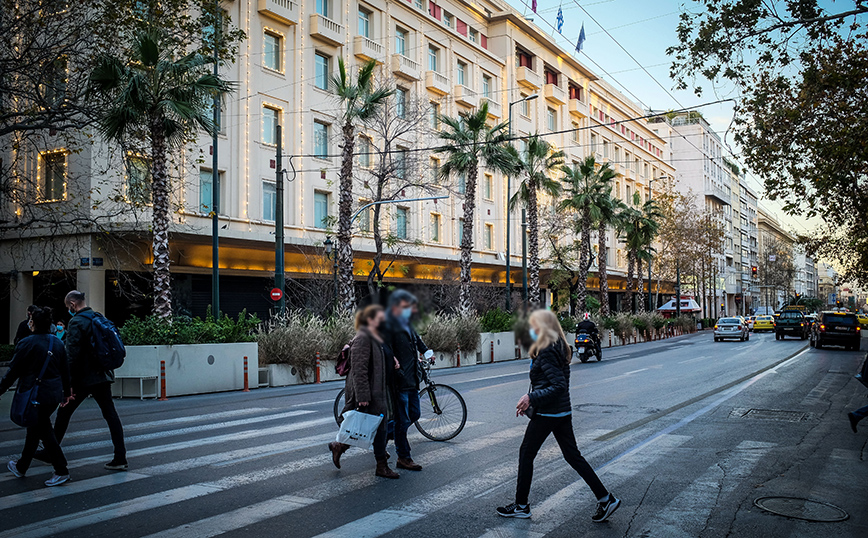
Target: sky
(645, 29)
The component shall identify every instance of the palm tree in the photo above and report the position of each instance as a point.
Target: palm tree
(470, 143)
(154, 95)
(540, 159)
(607, 215)
(359, 101)
(639, 225)
(588, 194)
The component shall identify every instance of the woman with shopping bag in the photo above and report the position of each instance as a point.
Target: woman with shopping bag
(368, 386)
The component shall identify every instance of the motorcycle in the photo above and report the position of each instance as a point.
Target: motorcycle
(586, 348)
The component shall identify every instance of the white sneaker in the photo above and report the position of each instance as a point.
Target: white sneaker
(13, 468)
(56, 480)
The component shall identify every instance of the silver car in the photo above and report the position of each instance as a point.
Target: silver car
(731, 328)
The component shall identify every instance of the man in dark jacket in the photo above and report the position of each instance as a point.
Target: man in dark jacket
(406, 346)
(24, 327)
(590, 328)
(89, 378)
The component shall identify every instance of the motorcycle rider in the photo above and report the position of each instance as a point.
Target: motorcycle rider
(588, 327)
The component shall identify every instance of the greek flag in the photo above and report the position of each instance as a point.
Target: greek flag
(581, 42)
(533, 6)
(560, 19)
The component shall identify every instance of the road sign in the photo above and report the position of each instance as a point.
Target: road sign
(773, 258)
(276, 294)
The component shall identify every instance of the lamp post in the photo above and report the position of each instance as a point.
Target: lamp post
(508, 192)
(332, 255)
(279, 247)
(215, 180)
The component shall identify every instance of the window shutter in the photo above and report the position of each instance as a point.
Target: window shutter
(461, 26)
(483, 40)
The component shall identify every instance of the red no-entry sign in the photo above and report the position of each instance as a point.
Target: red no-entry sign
(276, 294)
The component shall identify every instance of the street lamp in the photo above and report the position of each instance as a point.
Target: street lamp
(508, 192)
(332, 255)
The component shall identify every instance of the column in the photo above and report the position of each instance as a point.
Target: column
(20, 297)
(91, 281)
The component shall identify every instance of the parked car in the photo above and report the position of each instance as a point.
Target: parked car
(791, 323)
(837, 328)
(863, 319)
(763, 323)
(731, 328)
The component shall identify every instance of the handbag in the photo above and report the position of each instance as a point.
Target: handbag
(358, 429)
(25, 405)
(862, 376)
(530, 412)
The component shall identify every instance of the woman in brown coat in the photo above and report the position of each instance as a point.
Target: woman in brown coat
(368, 387)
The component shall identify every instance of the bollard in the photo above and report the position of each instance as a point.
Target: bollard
(610, 338)
(246, 383)
(163, 381)
(458, 358)
(517, 352)
(492, 350)
(318, 378)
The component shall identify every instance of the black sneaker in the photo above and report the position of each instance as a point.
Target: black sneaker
(514, 510)
(606, 509)
(854, 420)
(116, 465)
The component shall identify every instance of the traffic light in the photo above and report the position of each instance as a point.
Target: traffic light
(754, 271)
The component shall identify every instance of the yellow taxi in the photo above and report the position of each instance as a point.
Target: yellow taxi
(863, 319)
(764, 323)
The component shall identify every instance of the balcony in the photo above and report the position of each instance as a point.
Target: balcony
(326, 29)
(285, 11)
(436, 82)
(528, 78)
(367, 49)
(405, 67)
(555, 94)
(465, 96)
(578, 108)
(495, 110)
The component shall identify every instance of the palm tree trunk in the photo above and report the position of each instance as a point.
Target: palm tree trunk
(584, 260)
(603, 259)
(346, 282)
(640, 293)
(160, 198)
(465, 299)
(627, 305)
(374, 283)
(532, 247)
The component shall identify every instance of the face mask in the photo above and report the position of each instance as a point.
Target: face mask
(71, 313)
(533, 335)
(407, 313)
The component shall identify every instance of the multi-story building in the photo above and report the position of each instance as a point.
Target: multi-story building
(774, 240)
(451, 55)
(745, 243)
(827, 284)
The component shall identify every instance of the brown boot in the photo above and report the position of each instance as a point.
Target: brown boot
(337, 450)
(383, 469)
(408, 464)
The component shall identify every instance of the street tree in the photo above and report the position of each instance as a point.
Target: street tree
(154, 96)
(801, 72)
(468, 143)
(638, 225)
(359, 100)
(776, 268)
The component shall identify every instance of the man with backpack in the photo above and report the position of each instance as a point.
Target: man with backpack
(92, 348)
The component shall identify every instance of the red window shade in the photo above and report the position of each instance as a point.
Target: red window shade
(483, 40)
(623, 129)
(551, 77)
(524, 60)
(433, 10)
(461, 26)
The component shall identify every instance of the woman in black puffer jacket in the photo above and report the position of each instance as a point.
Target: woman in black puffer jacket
(548, 406)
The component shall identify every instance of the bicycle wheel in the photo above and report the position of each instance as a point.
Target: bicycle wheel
(444, 412)
(339, 406)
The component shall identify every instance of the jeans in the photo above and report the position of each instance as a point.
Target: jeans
(861, 413)
(409, 411)
(43, 431)
(102, 394)
(537, 432)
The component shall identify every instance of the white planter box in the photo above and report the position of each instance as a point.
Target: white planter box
(283, 375)
(504, 346)
(443, 359)
(191, 369)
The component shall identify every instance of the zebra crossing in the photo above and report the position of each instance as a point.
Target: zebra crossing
(197, 457)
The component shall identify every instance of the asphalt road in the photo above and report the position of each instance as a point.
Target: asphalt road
(686, 431)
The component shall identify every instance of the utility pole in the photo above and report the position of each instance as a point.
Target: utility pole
(677, 289)
(215, 180)
(524, 257)
(279, 264)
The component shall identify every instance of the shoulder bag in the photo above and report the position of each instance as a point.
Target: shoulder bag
(25, 404)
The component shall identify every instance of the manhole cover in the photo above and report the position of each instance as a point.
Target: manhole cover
(802, 509)
(770, 414)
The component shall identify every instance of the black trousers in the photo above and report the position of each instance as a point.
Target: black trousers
(537, 432)
(102, 394)
(42, 431)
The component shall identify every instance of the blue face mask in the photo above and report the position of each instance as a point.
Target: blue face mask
(71, 313)
(407, 313)
(533, 335)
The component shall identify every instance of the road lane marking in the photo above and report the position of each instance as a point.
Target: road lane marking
(702, 358)
(635, 371)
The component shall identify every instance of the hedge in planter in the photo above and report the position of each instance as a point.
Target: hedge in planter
(296, 338)
(153, 331)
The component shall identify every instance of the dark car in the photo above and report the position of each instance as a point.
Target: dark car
(837, 329)
(792, 323)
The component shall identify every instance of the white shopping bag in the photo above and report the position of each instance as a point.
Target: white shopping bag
(358, 429)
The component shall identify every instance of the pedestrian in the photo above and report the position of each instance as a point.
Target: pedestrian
(368, 386)
(89, 378)
(24, 327)
(856, 416)
(402, 339)
(549, 409)
(28, 360)
(61, 329)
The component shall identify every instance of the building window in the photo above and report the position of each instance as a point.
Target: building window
(576, 92)
(270, 119)
(462, 183)
(138, 181)
(365, 216)
(629, 196)
(574, 135)
(448, 19)
(272, 57)
(525, 106)
(434, 167)
(401, 218)
(269, 201)
(320, 140)
(364, 152)
(462, 73)
(401, 41)
(206, 191)
(488, 187)
(435, 227)
(473, 35)
(433, 57)
(322, 7)
(489, 237)
(401, 163)
(523, 59)
(435, 115)
(593, 143)
(420, 4)
(56, 79)
(321, 209)
(551, 119)
(365, 22)
(460, 231)
(486, 86)
(605, 149)
(400, 102)
(321, 71)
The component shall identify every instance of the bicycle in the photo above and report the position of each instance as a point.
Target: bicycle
(444, 412)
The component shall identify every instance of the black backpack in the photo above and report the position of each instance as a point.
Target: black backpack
(108, 348)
